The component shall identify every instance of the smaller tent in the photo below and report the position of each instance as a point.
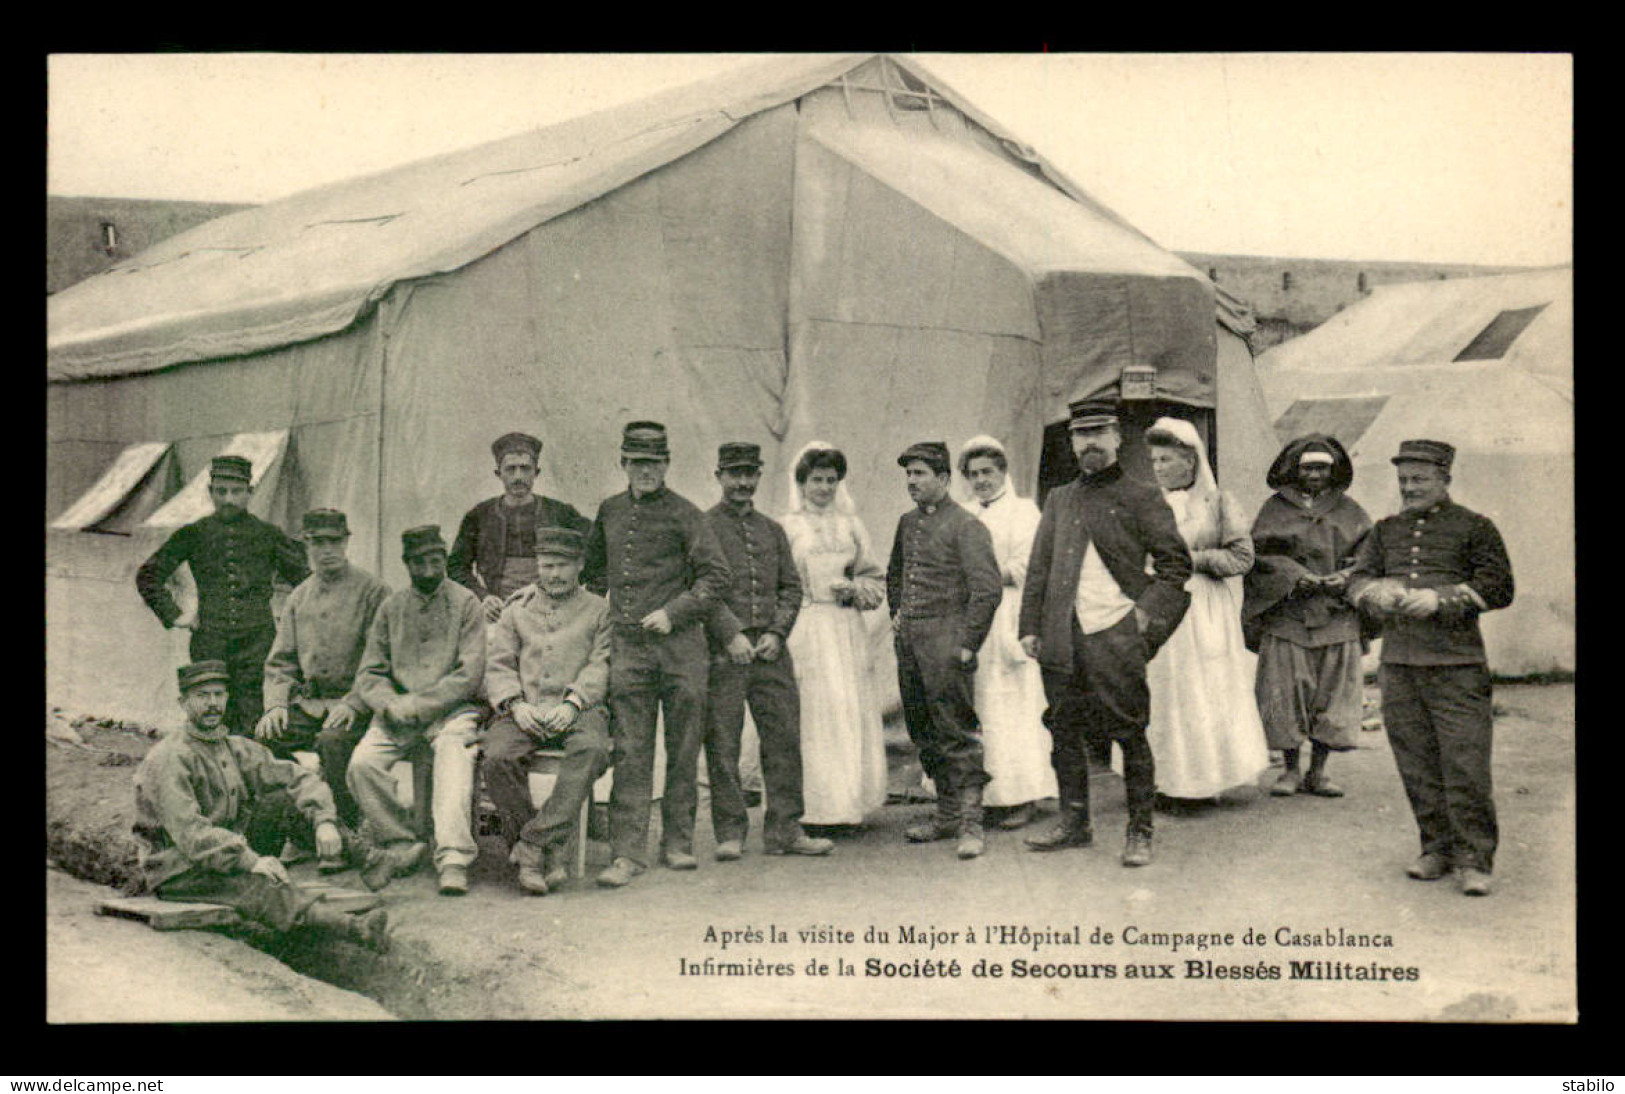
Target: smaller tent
(1487, 364)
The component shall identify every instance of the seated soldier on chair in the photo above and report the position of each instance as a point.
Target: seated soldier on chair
(547, 674)
(207, 802)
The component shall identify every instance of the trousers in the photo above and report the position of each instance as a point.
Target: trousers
(508, 754)
(1440, 727)
(939, 703)
(1309, 693)
(654, 676)
(453, 742)
(244, 653)
(335, 746)
(273, 818)
(769, 689)
(1103, 698)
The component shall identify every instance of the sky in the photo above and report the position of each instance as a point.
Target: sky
(1451, 158)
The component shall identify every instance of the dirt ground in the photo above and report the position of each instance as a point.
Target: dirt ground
(1302, 866)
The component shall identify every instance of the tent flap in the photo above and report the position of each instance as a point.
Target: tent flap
(128, 472)
(263, 450)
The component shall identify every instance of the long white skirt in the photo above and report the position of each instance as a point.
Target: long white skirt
(1010, 706)
(1205, 732)
(843, 750)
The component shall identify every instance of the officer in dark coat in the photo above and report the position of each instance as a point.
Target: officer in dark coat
(494, 555)
(234, 556)
(1428, 572)
(1093, 617)
(943, 587)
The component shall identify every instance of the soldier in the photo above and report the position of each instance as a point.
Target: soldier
(652, 550)
(943, 587)
(494, 555)
(310, 695)
(234, 556)
(210, 807)
(1429, 571)
(420, 675)
(1092, 617)
(547, 675)
(750, 664)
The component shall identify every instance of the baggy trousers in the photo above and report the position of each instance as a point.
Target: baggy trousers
(305, 733)
(1440, 726)
(939, 704)
(508, 754)
(769, 687)
(244, 653)
(274, 819)
(655, 676)
(1314, 693)
(1104, 697)
(454, 740)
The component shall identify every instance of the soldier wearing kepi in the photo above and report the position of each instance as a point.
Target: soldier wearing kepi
(234, 557)
(421, 675)
(750, 664)
(211, 809)
(311, 700)
(943, 587)
(1092, 617)
(494, 555)
(1428, 572)
(547, 674)
(652, 550)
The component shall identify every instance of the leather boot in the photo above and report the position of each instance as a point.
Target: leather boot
(1071, 829)
(971, 842)
(945, 822)
(1137, 847)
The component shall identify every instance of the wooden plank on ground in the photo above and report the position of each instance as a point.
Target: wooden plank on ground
(345, 900)
(169, 915)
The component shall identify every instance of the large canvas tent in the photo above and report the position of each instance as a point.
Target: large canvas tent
(814, 247)
(1487, 364)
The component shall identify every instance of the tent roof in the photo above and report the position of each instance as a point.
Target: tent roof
(1435, 323)
(312, 263)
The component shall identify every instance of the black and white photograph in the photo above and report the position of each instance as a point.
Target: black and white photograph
(810, 536)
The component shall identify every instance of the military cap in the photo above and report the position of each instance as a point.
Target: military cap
(933, 453)
(1434, 452)
(1093, 413)
(201, 672)
(646, 440)
(324, 522)
(231, 469)
(516, 442)
(739, 454)
(553, 539)
(421, 540)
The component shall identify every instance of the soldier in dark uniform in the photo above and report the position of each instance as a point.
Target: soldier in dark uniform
(659, 560)
(1092, 617)
(750, 664)
(1428, 572)
(943, 587)
(234, 556)
(494, 555)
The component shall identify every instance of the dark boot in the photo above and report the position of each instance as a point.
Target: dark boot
(945, 822)
(1071, 829)
(1137, 848)
(370, 929)
(971, 842)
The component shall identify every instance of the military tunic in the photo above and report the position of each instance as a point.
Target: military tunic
(655, 552)
(764, 597)
(1436, 693)
(234, 563)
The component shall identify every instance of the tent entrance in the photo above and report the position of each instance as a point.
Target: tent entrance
(1057, 465)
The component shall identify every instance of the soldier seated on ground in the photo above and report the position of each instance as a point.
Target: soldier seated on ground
(211, 810)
